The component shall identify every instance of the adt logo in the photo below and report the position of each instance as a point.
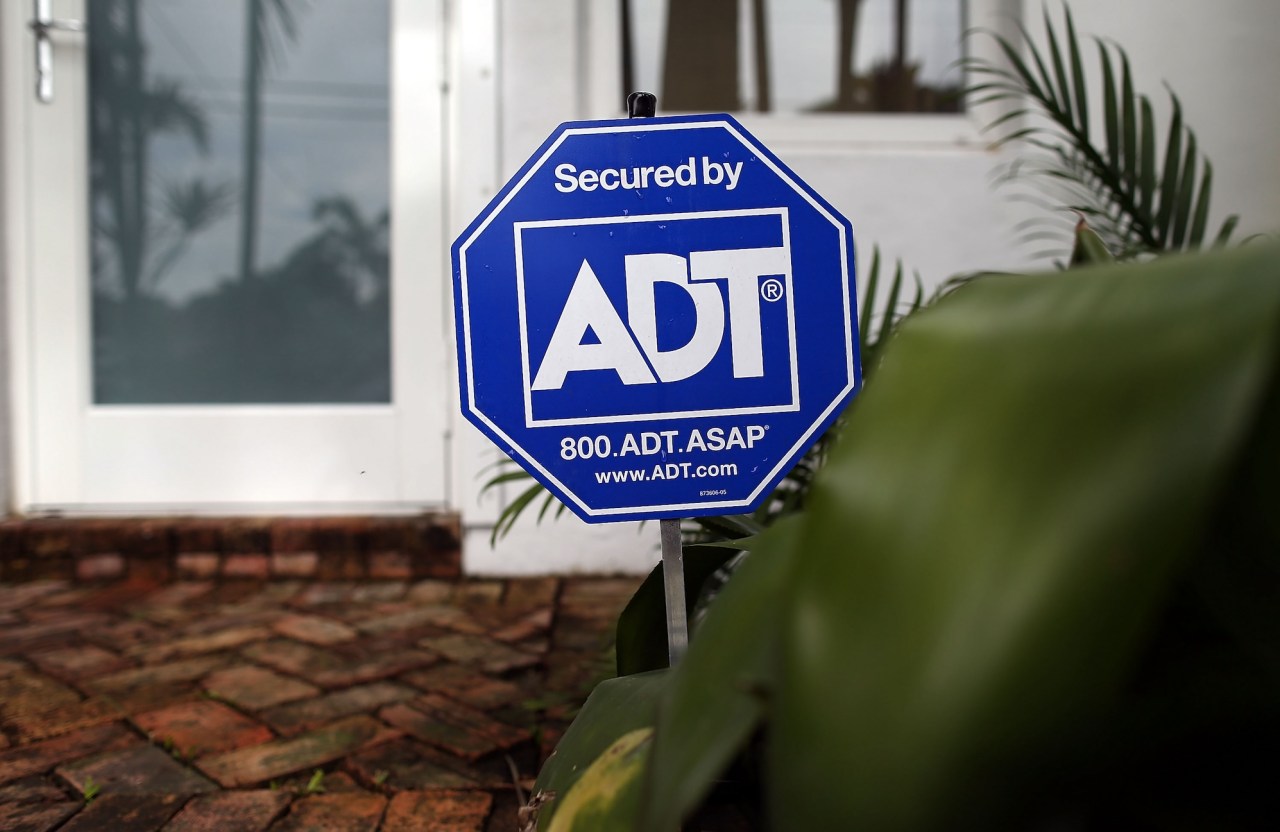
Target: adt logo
(698, 304)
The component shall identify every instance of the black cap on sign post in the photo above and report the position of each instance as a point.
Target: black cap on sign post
(644, 105)
(641, 105)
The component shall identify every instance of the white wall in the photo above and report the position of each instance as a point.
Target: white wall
(542, 54)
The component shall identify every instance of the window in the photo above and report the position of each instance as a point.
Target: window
(796, 57)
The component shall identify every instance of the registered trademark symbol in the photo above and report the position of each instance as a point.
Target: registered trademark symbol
(771, 289)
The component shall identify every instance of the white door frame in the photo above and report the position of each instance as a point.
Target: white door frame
(377, 458)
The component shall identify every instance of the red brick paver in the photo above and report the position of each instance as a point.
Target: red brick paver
(250, 811)
(35, 817)
(335, 813)
(260, 763)
(144, 769)
(438, 811)
(35, 758)
(131, 812)
(194, 729)
(254, 688)
(316, 703)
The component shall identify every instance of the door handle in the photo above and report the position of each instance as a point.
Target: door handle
(44, 24)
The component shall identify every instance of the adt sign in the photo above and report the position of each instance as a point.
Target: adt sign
(656, 317)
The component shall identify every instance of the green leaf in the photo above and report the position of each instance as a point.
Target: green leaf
(551, 500)
(987, 549)
(1110, 108)
(615, 708)
(1077, 74)
(641, 641)
(1224, 233)
(729, 526)
(1045, 93)
(1129, 122)
(1089, 249)
(1187, 189)
(606, 797)
(716, 697)
(1201, 218)
(512, 512)
(870, 282)
(1147, 166)
(1169, 194)
(1043, 90)
(1021, 112)
(508, 476)
(1059, 68)
(891, 306)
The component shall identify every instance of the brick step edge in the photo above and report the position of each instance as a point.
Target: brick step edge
(202, 548)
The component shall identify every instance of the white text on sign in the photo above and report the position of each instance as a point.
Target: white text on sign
(588, 309)
(663, 442)
(708, 172)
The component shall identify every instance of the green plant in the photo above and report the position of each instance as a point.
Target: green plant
(911, 719)
(1034, 587)
(316, 784)
(91, 789)
(1139, 197)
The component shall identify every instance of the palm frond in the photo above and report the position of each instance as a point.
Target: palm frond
(1140, 185)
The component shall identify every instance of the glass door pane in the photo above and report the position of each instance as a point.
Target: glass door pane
(239, 198)
(798, 56)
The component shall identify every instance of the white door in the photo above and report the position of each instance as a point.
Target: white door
(226, 256)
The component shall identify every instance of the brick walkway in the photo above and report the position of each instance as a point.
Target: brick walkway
(228, 706)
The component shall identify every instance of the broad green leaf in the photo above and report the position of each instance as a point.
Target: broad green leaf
(641, 641)
(716, 696)
(1007, 511)
(606, 797)
(615, 708)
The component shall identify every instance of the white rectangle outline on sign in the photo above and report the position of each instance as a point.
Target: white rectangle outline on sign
(790, 407)
(632, 126)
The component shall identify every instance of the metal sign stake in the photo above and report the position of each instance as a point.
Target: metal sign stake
(644, 105)
(673, 581)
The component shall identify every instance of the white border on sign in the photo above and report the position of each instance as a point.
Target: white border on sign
(690, 509)
(789, 407)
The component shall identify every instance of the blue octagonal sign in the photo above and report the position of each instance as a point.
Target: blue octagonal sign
(656, 318)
